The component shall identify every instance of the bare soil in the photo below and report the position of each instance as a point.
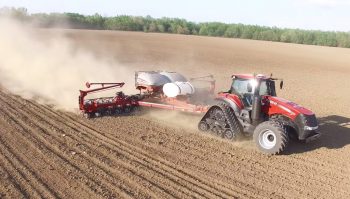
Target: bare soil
(55, 154)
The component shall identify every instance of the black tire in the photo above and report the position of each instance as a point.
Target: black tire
(118, 111)
(136, 110)
(127, 109)
(109, 111)
(203, 126)
(270, 137)
(288, 125)
(228, 134)
(88, 115)
(98, 114)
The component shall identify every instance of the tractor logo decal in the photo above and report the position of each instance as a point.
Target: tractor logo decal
(286, 109)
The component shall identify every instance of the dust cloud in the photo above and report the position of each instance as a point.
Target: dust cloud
(50, 70)
(175, 119)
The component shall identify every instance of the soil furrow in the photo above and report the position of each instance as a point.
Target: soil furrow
(251, 174)
(49, 166)
(9, 185)
(133, 168)
(160, 154)
(286, 179)
(81, 152)
(168, 165)
(38, 183)
(56, 151)
(283, 171)
(24, 182)
(88, 127)
(148, 167)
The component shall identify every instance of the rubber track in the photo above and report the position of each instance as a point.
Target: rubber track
(230, 118)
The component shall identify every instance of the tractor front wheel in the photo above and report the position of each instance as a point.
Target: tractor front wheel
(270, 137)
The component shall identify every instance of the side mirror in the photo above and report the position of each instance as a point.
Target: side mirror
(249, 88)
(281, 84)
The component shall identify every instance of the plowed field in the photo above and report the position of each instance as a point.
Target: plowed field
(47, 153)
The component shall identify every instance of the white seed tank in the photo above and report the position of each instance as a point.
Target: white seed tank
(151, 78)
(174, 76)
(173, 83)
(178, 88)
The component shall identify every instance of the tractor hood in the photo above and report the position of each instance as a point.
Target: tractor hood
(304, 119)
(292, 108)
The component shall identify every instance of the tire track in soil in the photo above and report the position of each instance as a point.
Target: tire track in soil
(321, 173)
(93, 184)
(176, 178)
(282, 172)
(20, 180)
(111, 161)
(22, 136)
(212, 180)
(91, 150)
(292, 173)
(26, 172)
(242, 184)
(9, 187)
(250, 162)
(26, 180)
(35, 157)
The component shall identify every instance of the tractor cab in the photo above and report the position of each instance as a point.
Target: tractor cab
(246, 86)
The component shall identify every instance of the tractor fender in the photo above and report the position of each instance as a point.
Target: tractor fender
(230, 103)
(229, 114)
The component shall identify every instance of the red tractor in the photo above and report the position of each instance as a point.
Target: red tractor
(250, 107)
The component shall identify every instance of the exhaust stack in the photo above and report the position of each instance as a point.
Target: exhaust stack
(256, 104)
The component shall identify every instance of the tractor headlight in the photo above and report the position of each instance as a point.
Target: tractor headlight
(309, 128)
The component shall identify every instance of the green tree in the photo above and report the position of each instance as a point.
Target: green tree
(287, 36)
(153, 27)
(18, 13)
(233, 31)
(268, 35)
(204, 30)
(180, 26)
(95, 21)
(247, 32)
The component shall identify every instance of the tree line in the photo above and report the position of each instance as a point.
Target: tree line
(181, 26)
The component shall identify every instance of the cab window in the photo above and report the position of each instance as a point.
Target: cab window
(240, 86)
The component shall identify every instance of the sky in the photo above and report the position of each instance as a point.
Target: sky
(329, 15)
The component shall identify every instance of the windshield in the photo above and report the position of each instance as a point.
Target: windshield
(240, 87)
